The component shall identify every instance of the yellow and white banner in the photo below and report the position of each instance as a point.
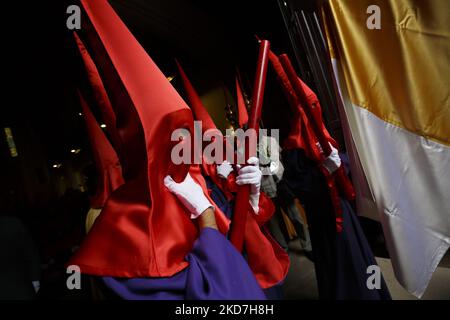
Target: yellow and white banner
(391, 60)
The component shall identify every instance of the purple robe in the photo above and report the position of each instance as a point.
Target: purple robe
(216, 271)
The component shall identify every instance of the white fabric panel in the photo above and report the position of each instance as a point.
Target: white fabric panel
(409, 176)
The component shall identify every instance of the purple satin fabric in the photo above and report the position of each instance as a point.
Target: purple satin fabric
(216, 271)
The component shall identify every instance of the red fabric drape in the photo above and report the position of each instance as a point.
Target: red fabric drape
(107, 163)
(196, 104)
(144, 230)
(242, 109)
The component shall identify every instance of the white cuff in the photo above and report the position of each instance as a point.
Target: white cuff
(254, 202)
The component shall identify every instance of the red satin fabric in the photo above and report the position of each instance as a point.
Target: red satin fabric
(295, 138)
(267, 260)
(144, 230)
(195, 102)
(107, 163)
(100, 95)
(131, 239)
(242, 109)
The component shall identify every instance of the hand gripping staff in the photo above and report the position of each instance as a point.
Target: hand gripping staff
(339, 178)
(242, 198)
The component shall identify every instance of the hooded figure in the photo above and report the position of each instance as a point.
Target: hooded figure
(147, 110)
(341, 258)
(107, 164)
(242, 109)
(100, 95)
(144, 245)
(268, 261)
(106, 161)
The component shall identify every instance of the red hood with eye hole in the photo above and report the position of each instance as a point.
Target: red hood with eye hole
(143, 230)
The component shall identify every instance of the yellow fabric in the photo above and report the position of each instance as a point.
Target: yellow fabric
(91, 217)
(400, 73)
(301, 210)
(394, 85)
(289, 226)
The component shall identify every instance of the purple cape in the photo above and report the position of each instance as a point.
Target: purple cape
(216, 271)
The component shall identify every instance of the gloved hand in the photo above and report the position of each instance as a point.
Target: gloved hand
(251, 175)
(224, 169)
(269, 152)
(190, 194)
(276, 169)
(36, 285)
(333, 161)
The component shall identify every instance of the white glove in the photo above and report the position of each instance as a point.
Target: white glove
(36, 285)
(333, 161)
(273, 167)
(224, 169)
(190, 194)
(269, 153)
(251, 175)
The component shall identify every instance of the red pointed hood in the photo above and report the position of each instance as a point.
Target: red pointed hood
(195, 102)
(100, 95)
(242, 109)
(144, 230)
(107, 163)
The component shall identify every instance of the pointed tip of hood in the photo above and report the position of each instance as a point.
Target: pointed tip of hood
(194, 101)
